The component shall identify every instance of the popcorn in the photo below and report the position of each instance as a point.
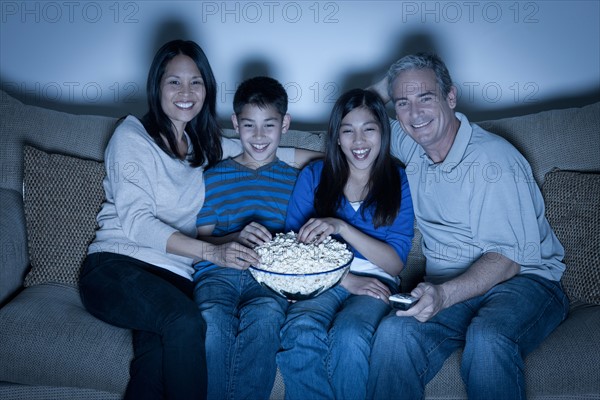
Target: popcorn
(299, 270)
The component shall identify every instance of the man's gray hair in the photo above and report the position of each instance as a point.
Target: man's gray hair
(421, 61)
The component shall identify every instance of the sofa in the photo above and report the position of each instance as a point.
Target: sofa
(50, 192)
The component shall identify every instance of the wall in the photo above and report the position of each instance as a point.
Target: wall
(506, 57)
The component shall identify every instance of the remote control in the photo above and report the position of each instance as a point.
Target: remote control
(402, 301)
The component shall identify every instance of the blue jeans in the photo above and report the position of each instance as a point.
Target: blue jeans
(243, 322)
(168, 329)
(497, 330)
(326, 344)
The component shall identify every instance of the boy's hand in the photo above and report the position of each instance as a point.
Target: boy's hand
(254, 234)
(232, 255)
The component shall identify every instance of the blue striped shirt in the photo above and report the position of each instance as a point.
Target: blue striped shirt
(237, 195)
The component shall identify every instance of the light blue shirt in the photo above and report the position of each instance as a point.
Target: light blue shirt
(482, 198)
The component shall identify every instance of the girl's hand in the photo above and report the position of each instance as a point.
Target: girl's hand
(366, 286)
(253, 234)
(315, 230)
(231, 255)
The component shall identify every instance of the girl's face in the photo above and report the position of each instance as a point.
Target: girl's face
(182, 91)
(360, 139)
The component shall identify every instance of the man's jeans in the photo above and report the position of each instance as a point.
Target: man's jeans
(243, 322)
(497, 330)
(326, 343)
(168, 329)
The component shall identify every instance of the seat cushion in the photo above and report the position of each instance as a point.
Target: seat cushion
(48, 338)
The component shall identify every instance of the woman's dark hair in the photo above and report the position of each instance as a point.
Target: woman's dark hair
(204, 131)
(384, 191)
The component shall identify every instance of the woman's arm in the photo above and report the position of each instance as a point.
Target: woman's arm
(253, 234)
(231, 254)
(302, 157)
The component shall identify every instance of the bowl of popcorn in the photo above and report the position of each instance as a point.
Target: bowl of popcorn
(300, 271)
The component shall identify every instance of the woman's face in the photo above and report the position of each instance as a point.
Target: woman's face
(182, 91)
(360, 139)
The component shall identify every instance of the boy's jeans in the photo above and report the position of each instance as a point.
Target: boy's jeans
(242, 336)
(497, 330)
(326, 342)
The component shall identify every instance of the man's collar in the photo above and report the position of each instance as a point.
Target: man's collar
(459, 146)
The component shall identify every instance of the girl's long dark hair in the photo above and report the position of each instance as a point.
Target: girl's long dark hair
(204, 131)
(384, 191)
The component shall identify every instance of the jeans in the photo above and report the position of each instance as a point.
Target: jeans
(242, 338)
(168, 329)
(326, 344)
(497, 330)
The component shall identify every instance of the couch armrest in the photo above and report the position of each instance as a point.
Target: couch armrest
(13, 244)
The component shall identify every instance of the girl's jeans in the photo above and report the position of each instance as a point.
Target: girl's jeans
(326, 343)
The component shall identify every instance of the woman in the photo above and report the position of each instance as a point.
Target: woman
(137, 274)
(360, 194)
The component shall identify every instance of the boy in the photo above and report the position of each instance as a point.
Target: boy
(246, 202)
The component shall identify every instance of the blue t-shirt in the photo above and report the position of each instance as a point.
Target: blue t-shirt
(398, 235)
(237, 195)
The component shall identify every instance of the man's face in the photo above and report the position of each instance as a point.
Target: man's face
(422, 111)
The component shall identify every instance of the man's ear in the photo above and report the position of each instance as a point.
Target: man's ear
(234, 121)
(285, 124)
(451, 98)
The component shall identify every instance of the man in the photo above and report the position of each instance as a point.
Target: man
(493, 263)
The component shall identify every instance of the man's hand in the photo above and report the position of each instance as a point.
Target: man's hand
(489, 270)
(366, 286)
(431, 301)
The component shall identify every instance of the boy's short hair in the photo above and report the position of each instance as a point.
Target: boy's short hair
(261, 91)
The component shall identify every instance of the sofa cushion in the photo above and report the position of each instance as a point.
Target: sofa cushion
(573, 210)
(48, 338)
(62, 196)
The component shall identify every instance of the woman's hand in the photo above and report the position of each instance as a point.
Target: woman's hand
(253, 234)
(315, 230)
(231, 255)
(366, 286)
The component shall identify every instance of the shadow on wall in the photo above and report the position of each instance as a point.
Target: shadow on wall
(403, 44)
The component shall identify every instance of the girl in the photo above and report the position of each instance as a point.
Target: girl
(359, 194)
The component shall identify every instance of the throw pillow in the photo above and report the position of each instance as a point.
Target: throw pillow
(573, 210)
(62, 195)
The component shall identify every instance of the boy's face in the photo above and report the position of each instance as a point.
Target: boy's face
(260, 131)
